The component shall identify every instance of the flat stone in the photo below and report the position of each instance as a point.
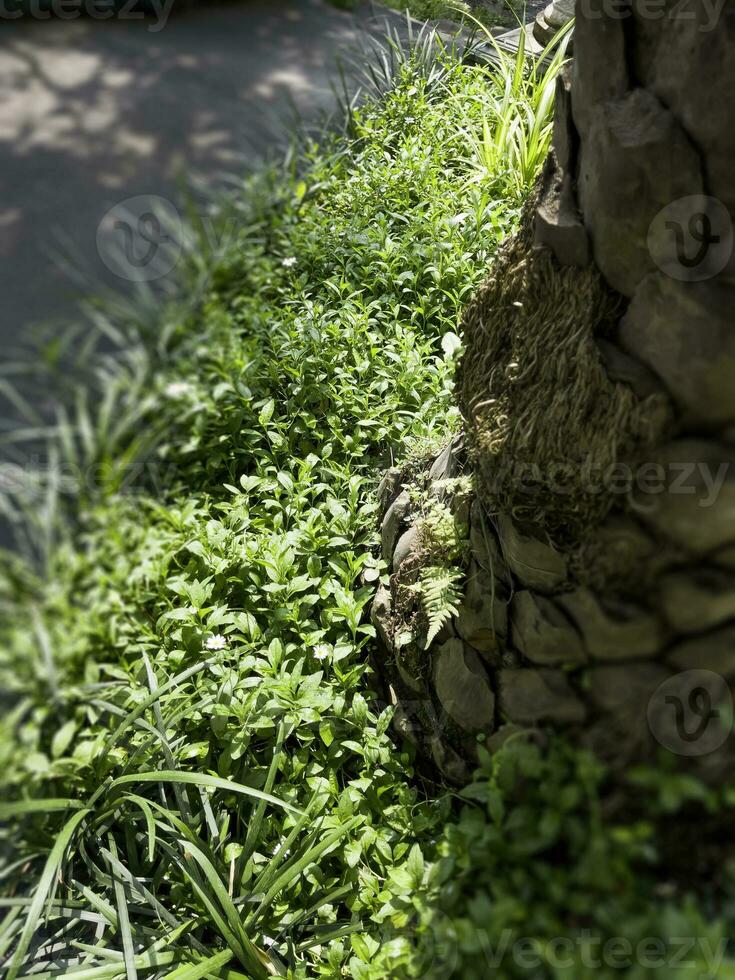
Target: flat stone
(542, 633)
(483, 616)
(713, 651)
(446, 465)
(622, 693)
(531, 696)
(635, 159)
(617, 631)
(389, 488)
(624, 689)
(463, 688)
(692, 504)
(684, 332)
(408, 544)
(484, 545)
(619, 549)
(535, 563)
(381, 616)
(697, 599)
(558, 224)
(392, 522)
(625, 369)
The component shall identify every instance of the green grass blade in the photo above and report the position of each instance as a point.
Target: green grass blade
(53, 862)
(123, 917)
(22, 807)
(201, 779)
(196, 971)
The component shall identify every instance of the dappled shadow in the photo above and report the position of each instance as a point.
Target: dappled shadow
(94, 112)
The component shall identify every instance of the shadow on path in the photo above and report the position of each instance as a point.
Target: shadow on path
(95, 112)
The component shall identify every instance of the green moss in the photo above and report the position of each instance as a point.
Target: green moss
(545, 422)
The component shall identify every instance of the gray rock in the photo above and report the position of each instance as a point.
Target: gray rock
(684, 332)
(618, 551)
(505, 732)
(535, 563)
(404, 726)
(617, 631)
(714, 651)
(564, 139)
(531, 696)
(698, 598)
(381, 616)
(542, 633)
(413, 684)
(446, 465)
(462, 687)
(449, 763)
(392, 522)
(692, 504)
(408, 544)
(558, 224)
(725, 557)
(461, 506)
(624, 369)
(635, 159)
(625, 689)
(389, 488)
(622, 693)
(484, 545)
(599, 41)
(483, 616)
(686, 60)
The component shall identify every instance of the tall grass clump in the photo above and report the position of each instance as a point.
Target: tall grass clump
(198, 775)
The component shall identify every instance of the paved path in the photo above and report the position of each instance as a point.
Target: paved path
(94, 112)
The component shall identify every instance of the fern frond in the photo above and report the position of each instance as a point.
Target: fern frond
(441, 595)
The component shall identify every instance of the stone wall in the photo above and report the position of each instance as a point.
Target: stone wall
(623, 630)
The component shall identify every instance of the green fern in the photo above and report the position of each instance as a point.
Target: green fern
(441, 595)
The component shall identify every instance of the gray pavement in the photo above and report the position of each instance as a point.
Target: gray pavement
(95, 112)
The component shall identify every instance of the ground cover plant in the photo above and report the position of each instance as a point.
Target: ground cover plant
(198, 771)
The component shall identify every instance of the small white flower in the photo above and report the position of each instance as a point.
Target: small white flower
(322, 651)
(216, 642)
(410, 119)
(177, 389)
(289, 262)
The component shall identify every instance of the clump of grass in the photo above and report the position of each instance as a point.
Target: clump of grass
(199, 774)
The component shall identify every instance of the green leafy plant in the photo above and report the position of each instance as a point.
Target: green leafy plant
(517, 124)
(198, 773)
